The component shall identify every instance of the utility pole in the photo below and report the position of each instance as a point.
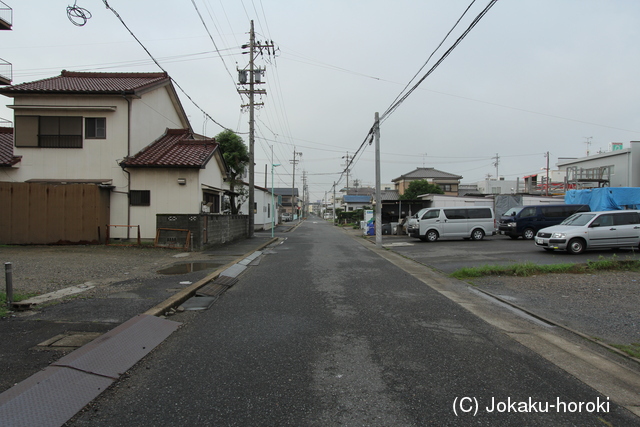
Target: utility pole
(254, 78)
(324, 211)
(547, 156)
(347, 166)
(496, 163)
(376, 133)
(294, 162)
(334, 203)
(304, 193)
(588, 142)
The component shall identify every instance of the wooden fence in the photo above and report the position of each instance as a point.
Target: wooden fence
(33, 213)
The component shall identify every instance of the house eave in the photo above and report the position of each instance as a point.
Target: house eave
(64, 107)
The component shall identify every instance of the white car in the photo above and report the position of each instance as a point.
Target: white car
(286, 216)
(592, 230)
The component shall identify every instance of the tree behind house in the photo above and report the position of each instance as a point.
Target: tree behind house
(237, 157)
(419, 187)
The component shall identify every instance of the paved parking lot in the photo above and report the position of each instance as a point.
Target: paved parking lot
(451, 255)
(604, 305)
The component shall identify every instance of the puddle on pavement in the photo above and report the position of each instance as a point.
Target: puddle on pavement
(189, 267)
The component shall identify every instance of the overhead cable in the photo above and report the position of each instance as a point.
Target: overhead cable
(397, 103)
(159, 66)
(214, 43)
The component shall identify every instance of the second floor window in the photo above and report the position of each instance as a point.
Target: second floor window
(60, 132)
(95, 127)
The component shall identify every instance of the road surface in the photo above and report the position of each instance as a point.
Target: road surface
(325, 332)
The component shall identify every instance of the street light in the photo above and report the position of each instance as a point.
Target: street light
(273, 210)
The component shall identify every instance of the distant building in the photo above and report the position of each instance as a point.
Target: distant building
(290, 199)
(619, 167)
(448, 182)
(352, 203)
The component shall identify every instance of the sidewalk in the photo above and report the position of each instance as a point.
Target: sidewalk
(70, 351)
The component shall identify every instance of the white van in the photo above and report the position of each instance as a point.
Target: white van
(472, 222)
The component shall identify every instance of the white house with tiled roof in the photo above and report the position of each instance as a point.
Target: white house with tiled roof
(127, 131)
(448, 182)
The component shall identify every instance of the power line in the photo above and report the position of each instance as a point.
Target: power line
(159, 66)
(214, 42)
(397, 103)
(435, 50)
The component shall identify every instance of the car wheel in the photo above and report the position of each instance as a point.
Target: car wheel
(477, 234)
(432, 236)
(528, 234)
(576, 246)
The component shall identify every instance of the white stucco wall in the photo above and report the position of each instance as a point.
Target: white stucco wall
(151, 115)
(97, 157)
(166, 195)
(261, 218)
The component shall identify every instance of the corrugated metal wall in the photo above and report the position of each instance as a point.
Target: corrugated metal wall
(33, 213)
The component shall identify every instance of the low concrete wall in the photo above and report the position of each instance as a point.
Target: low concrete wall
(207, 230)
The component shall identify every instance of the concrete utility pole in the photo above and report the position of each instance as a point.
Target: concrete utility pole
(254, 78)
(334, 203)
(294, 162)
(496, 163)
(347, 169)
(547, 156)
(304, 193)
(376, 134)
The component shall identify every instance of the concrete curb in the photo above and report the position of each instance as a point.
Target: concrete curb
(180, 297)
(560, 325)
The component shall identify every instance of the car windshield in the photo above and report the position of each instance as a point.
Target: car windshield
(419, 213)
(578, 219)
(513, 211)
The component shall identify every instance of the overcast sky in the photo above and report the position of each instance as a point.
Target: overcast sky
(533, 76)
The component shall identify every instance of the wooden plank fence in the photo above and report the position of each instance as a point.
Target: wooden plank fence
(34, 213)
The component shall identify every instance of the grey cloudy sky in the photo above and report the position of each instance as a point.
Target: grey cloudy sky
(533, 76)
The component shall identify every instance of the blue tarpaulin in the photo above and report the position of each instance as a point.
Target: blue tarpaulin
(605, 199)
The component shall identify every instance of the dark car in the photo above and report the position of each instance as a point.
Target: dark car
(525, 221)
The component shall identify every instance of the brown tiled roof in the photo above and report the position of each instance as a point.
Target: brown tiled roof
(176, 148)
(426, 173)
(70, 82)
(7, 158)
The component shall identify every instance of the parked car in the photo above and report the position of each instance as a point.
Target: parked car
(591, 230)
(286, 216)
(474, 223)
(525, 221)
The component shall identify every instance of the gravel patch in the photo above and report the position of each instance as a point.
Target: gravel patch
(43, 269)
(605, 305)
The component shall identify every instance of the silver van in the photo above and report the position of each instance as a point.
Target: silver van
(472, 222)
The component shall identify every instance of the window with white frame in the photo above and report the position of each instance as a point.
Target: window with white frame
(95, 127)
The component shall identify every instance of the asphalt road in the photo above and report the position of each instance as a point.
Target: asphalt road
(452, 254)
(325, 332)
